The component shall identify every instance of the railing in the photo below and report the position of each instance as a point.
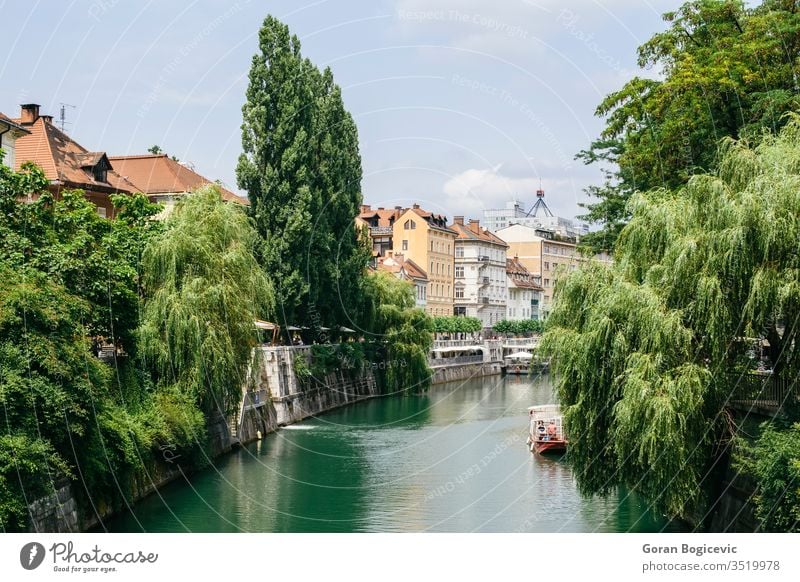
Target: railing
(455, 361)
(484, 258)
(522, 341)
(763, 390)
(255, 398)
(459, 343)
(375, 230)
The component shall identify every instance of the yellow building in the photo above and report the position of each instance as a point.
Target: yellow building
(424, 238)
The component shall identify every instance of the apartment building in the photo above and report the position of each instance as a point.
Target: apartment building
(480, 272)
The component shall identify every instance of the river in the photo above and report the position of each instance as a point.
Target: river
(451, 460)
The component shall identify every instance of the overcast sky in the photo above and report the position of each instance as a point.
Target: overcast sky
(460, 104)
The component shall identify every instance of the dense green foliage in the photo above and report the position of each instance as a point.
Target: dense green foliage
(519, 327)
(204, 291)
(67, 276)
(302, 170)
(401, 329)
(774, 461)
(646, 350)
(456, 324)
(727, 71)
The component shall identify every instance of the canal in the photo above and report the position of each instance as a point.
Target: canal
(451, 460)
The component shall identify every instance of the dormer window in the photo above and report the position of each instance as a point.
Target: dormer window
(95, 164)
(410, 225)
(100, 174)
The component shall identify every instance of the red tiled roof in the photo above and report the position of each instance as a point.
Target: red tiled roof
(520, 275)
(396, 263)
(474, 231)
(384, 216)
(63, 159)
(159, 174)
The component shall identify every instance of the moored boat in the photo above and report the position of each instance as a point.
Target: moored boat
(546, 429)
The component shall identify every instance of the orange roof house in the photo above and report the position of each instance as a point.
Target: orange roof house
(66, 163)
(163, 179)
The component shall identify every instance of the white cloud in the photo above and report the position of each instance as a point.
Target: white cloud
(475, 190)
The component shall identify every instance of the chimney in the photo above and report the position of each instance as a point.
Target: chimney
(475, 225)
(29, 113)
(381, 208)
(47, 118)
(365, 208)
(398, 207)
(458, 220)
(416, 206)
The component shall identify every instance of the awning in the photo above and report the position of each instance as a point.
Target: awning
(346, 329)
(520, 356)
(265, 325)
(293, 328)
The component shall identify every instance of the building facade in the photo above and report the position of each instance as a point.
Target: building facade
(379, 223)
(524, 292)
(424, 238)
(10, 132)
(539, 216)
(480, 272)
(407, 270)
(542, 253)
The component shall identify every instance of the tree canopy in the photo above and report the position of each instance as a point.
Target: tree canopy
(726, 71)
(519, 327)
(403, 330)
(647, 351)
(456, 324)
(205, 289)
(302, 171)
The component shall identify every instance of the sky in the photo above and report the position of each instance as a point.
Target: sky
(461, 105)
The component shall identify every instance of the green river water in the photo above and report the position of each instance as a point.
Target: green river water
(451, 460)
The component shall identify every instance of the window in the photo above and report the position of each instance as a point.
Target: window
(448, 291)
(405, 245)
(459, 252)
(410, 225)
(431, 267)
(459, 272)
(547, 282)
(546, 266)
(459, 293)
(431, 246)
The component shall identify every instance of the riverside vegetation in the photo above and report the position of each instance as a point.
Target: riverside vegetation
(177, 298)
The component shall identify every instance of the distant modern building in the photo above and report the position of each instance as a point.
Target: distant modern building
(524, 292)
(165, 180)
(539, 216)
(480, 272)
(66, 163)
(10, 132)
(407, 270)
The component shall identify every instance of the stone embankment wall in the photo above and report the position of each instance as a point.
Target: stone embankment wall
(277, 398)
(464, 371)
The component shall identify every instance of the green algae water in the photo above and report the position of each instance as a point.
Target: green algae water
(451, 460)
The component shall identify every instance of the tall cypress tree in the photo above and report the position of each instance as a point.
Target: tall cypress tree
(302, 171)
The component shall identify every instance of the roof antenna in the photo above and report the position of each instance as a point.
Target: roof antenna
(62, 115)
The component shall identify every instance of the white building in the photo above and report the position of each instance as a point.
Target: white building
(10, 131)
(539, 216)
(480, 273)
(524, 292)
(407, 270)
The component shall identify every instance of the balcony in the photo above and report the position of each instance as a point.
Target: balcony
(483, 300)
(484, 281)
(483, 258)
(380, 230)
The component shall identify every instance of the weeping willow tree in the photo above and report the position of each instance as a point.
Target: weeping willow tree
(204, 291)
(648, 351)
(404, 331)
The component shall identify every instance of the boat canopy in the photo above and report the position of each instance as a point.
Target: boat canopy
(520, 356)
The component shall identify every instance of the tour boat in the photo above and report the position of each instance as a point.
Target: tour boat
(546, 429)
